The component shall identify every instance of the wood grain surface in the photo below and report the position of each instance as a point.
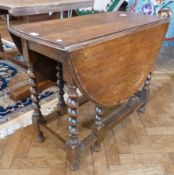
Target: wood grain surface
(113, 71)
(109, 54)
(74, 33)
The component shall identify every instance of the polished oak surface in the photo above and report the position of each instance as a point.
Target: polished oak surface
(113, 71)
(108, 55)
(73, 33)
(32, 7)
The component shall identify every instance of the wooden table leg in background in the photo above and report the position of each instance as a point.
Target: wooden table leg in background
(60, 86)
(1, 45)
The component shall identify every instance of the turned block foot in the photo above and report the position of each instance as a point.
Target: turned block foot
(75, 166)
(97, 147)
(62, 110)
(74, 154)
(142, 109)
(40, 137)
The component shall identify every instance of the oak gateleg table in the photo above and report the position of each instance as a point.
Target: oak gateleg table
(106, 56)
(31, 10)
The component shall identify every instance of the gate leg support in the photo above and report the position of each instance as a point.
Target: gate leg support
(60, 85)
(37, 117)
(73, 142)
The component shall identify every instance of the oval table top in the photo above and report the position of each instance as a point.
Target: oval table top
(73, 33)
(108, 55)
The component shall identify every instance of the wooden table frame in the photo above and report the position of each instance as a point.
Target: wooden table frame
(73, 146)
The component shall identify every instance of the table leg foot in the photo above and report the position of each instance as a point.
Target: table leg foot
(99, 128)
(144, 94)
(74, 166)
(40, 137)
(74, 156)
(97, 147)
(142, 109)
(36, 123)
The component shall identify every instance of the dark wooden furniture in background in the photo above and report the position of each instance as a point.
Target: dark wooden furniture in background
(31, 10)
(107, 56)
(1, 46)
